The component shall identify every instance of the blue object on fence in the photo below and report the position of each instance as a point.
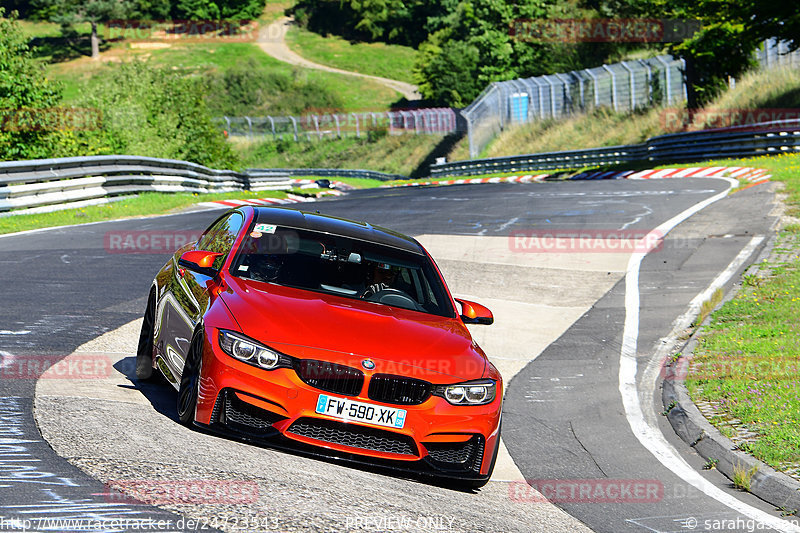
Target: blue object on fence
(519, 107)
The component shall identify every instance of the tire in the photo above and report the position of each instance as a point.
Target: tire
(144, 352)
(190, 380)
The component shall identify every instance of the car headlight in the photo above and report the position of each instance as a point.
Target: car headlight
(245, 349)
(469, 393)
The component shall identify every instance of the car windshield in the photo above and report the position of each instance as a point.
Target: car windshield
(342, 266)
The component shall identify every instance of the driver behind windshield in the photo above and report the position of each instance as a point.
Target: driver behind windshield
(382, 277)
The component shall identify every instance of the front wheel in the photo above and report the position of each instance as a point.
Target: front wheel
(190, 380)
(144, 352)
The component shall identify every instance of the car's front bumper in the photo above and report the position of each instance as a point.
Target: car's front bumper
(449, 440)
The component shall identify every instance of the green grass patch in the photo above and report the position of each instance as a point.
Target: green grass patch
(377, 59)
(747, 361)
(196, 59)
(394, 154)
(141, 205)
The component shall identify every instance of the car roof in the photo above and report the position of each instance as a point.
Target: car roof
(362, 231)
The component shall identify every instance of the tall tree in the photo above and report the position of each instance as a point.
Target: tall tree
(71, 12)
(725, 45)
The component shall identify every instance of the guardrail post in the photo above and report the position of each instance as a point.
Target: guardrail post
(667, 79)
(358, 128)
(294, 125)
(249, 126)
(566, 92)
(473, 153)
(582, 92)
(539, 97)
(316, 126)
(683, 80)
(272, 124)
(633, 83)
(596, 87)
(649, 81)
(613, 87)
(338, 128)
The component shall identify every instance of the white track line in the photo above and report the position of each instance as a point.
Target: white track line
(656, 364)
(649, 436)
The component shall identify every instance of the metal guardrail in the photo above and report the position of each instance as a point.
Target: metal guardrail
(751, 140)
(257, 173)
(50, 184)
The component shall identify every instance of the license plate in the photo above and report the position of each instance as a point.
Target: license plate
(363, 412)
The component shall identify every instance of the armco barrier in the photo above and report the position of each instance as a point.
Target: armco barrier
(49, 184)
(751, 140)
(323, 173)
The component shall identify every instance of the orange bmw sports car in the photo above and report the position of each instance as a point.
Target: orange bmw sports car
(332, 336)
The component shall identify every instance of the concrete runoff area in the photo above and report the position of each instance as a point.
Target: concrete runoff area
(77, 416)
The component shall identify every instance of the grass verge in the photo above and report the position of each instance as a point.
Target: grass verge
(746, 363)
(141, 205)
(395, 154)
(377, 59)
(193, 59)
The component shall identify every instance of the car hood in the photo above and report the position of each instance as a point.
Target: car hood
(312, 325)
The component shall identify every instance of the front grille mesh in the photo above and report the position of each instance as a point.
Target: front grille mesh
(458, 455)
(398, 390)
(354, 436)
(232, 411)
(330, 377)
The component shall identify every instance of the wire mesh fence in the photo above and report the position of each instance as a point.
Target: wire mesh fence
(337, 125)
(622, 86)
(775, 53)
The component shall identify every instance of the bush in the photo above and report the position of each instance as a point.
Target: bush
(248, 88)
(24, 90)
(155, 112)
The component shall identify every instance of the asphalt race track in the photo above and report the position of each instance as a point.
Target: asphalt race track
(564, 326)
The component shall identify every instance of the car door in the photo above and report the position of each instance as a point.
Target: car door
(186, 299)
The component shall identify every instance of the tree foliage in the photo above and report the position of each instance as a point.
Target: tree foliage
(23, 87)
(218, 9)
(156, 112)
(730, 34)
(465, 44)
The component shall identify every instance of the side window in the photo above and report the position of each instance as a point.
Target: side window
(221, 236)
